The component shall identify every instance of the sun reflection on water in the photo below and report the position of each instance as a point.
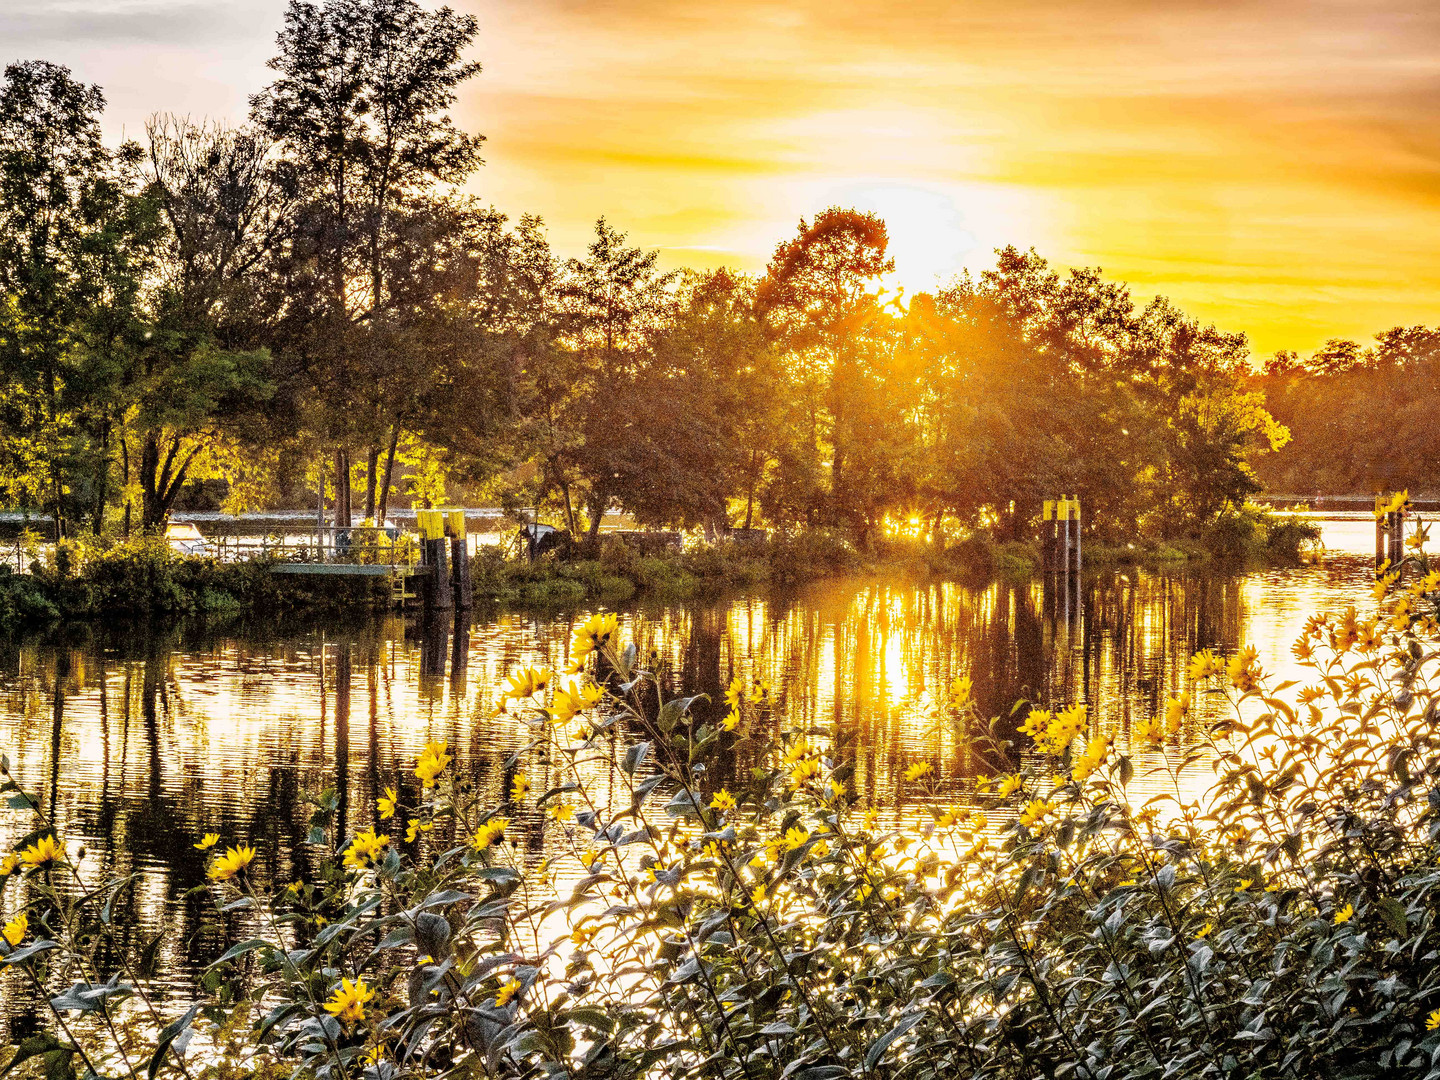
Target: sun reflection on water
(144, 740)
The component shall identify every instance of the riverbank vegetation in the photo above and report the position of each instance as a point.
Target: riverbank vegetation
(712, 900)
(308, 308)
(1357, 415)
(144, 576)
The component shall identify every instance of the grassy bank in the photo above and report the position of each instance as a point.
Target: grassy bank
(145, 576)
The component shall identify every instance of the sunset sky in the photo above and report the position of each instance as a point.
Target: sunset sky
(1272, 165)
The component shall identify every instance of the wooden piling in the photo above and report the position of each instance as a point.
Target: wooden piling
(1382, 539)
(459, 560)
(1397, 541)
(435, 557)
(1047, 536)
(1063, 513)
(1075, 507)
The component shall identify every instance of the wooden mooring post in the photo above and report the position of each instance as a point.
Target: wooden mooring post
(459, 559)
(435, 593)
(1060, 550)
(1390, 535)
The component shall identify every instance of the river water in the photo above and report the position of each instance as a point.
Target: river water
(140, 739)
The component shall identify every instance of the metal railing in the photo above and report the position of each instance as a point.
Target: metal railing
(363, 545)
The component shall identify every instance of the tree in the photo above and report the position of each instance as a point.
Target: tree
(703, 428)
(820, 298)
(360, 110)
(614, 302)
(73, 251)
(226, 208)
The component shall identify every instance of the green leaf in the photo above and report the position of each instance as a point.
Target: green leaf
(34, 1047)
(880, 1045)
(241, 949)
(168, 1035)
(1393, 912)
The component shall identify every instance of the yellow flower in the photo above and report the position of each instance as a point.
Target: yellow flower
(1053, 734)
(722, 801)
(1344, 914)
(1243, 669)
(15, 929)
(918, 770)
(1147, 731)
(235, 860)
(805, 771)
(979, 822)
(414, 827)
(583, 935)
(795, 838)
(1176, 709)
(43, 851)
(731, 721)
(520, 787)
(820, 850)
(982, 782)
(946, 819)
(588, 858)
(734, 692)
(386, 804)
(526, 682)
(506, 993)
(1204, 664)
(1245, 883)
(489, 832)
(960, 691)
(572, 699)
(595, 633)
(1009, 784)
(365, 849)
(1035, 812)
(210, 840)
(348, 1002)
(798, 751)
(432, 763)
(1205, 931)
(561, 812)
(757, 895)
(1096, 750)
(9, 864)
(1432, 1021)
(1035, 722)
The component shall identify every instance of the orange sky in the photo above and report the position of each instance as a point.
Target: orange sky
(1272, 165)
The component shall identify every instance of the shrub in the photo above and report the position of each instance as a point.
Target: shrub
(1283, 923)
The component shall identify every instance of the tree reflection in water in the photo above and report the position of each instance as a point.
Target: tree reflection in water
(145, 737)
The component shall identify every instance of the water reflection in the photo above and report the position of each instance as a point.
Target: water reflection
(142, 738)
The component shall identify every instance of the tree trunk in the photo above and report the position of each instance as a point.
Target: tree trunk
(160, 482)
(597, 515)
(125, 480)
(384, 504)
(102, 479)
(569, 509)
(750, 494)
(372, 463)
(342, 489)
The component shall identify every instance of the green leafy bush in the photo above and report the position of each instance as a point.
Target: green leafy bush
(1269, 910)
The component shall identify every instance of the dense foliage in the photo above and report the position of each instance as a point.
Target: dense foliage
(1269, 910)
(1357, 414)
(310, 306)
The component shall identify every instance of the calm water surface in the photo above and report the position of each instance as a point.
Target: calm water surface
(140, 739)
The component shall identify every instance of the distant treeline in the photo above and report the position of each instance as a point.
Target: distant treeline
(310, 299)
(1362, 418)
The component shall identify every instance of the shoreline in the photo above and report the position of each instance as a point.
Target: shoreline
(145, 578)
